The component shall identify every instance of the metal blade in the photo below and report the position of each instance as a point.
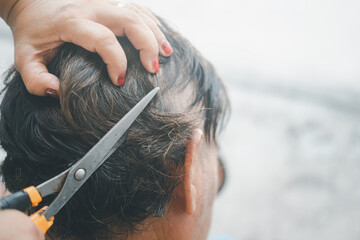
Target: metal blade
(96, 156)
(52, 185)
(56, 183)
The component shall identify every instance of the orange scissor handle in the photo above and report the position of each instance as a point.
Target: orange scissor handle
(39, 220)
(34, 195)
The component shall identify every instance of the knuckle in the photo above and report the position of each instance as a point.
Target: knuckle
(72, 10)
(157, 32)
(154, 46)
(89, 3)
(120, 63)
(106, 39)
(34, 85)
(133, 17)
(123, 63)
(69, 10)
(136, 5)
(151, 47)
(68, 19)
(133, 8)
(30, 86)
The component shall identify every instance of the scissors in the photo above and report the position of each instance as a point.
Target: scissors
(68, 182)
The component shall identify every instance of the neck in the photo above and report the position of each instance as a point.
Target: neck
(164, 228)
(152, 229)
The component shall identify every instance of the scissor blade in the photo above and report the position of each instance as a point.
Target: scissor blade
(56, 183)
(97, 155)
(52, 185)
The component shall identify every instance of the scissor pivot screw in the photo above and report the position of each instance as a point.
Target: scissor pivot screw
(80, 174)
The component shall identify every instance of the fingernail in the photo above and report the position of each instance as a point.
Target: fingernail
(166, 47)
(156, 64)
(121, 79)
(52, 93)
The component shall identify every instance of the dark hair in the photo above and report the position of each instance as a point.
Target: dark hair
(44, 136)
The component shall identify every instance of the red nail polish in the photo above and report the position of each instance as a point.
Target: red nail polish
(166, 47)
(156, 64)
(121, 79)
(52, 93)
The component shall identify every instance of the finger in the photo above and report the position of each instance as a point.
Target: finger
(123, 21)
(37, 79)
(164, 46)
(119, 3)
(97, 38)
(145, 12)
(17, 225)
(39, 235)
(2, 190)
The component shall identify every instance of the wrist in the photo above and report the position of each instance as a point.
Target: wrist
(6, 8)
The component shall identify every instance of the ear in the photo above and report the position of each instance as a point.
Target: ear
(190, 188)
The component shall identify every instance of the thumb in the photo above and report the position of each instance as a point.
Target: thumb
(37, 79)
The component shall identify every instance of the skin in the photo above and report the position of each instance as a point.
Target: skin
(92, 24)
(15, 225)
(190, 209)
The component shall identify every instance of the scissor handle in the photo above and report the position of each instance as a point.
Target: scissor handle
(40, 220)
(21, 200)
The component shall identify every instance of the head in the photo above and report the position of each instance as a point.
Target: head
(161, 182)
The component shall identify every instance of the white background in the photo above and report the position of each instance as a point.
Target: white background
(293, 142)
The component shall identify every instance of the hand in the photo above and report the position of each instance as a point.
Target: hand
(15, 225)
(40, 27)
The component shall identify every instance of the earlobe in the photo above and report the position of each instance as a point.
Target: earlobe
(190, 186)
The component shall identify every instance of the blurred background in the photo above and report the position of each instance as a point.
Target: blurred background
(292, 145)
